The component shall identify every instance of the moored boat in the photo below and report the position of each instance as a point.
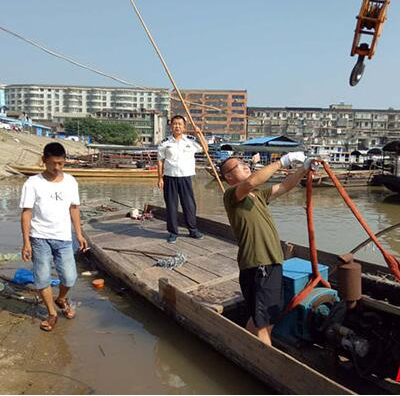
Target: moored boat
(351, 178)
(391, 182)
(204, 295)
(92, 172)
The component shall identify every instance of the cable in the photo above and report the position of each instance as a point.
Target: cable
(97, 71)
(74, 62)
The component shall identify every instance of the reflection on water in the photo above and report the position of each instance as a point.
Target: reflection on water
(119, 343)
(336, 228)
(144, 351)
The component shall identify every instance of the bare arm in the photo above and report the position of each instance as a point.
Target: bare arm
(290, 182)
(160, 168)
(203, 140)
(26, 217)
(256, 179)
(76, 221)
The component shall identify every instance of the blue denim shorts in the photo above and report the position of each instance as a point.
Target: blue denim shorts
(45, 252)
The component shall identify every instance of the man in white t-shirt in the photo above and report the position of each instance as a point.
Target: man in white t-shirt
(49, 202)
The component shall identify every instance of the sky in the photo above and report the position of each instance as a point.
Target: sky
(284, 53)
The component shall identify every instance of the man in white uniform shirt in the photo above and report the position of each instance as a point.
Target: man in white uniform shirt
(49, 202)
(176, 166)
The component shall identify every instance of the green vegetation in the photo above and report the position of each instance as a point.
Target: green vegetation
(102, 131)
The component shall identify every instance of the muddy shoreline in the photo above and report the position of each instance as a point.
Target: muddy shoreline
(26, 149)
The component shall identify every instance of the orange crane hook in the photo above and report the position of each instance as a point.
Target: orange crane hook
(370, 22)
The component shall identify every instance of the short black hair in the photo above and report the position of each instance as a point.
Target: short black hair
(222, 164)
(54, 150)
(178, 117)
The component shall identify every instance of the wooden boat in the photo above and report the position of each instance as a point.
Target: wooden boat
(353, 178)
(92, 172)
(391, 182)
(204, 296)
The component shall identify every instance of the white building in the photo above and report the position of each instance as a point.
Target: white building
(2, 96)
(49, 102)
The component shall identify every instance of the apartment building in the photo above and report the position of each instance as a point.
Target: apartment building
(47, 102)
(2, 96)
(215, 112)
(150, 124)
(339, 123)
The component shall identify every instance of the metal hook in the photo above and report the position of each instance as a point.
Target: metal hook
(357, 71)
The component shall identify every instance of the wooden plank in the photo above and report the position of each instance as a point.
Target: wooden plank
(224, 293)
(129, 264)
(151, 276)
(190, 250)
(120, 271)
(199, 275)
(207, 225)
(211, 244)
(268, 363)
(380, 306)
(216, 263)
(213, 282)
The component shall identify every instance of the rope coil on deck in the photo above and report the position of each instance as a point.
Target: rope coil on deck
(392, 262)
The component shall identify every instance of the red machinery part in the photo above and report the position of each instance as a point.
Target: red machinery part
(391, 260)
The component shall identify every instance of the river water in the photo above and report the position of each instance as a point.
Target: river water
(120, 344)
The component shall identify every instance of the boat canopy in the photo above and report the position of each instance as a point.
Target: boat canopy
(393, 147)
(375, 151)
(271, 144)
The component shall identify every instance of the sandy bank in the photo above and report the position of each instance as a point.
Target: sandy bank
(26, 149)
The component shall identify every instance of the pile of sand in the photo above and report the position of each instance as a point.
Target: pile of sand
(26, 149)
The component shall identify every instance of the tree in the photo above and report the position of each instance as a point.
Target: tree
(102, 131)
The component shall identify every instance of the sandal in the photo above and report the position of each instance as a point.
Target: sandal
(66, 308)
(49, 324)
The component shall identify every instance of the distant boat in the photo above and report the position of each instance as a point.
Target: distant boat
(93, 172)
(354, 178)
(391, 182)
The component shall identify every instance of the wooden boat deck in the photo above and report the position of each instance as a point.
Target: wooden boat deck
(210, 273)
(204, 292)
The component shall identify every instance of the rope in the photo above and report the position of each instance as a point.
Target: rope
(391, 260)
(97, 71)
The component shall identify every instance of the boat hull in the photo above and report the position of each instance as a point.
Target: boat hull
(201, 293)
(92, 172)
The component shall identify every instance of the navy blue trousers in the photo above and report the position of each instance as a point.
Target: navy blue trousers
(181, 187)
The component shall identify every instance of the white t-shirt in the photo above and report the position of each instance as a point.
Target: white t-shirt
(178, 156)
(50, 203)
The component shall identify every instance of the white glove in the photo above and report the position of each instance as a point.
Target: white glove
(311, 163)
(290, 158)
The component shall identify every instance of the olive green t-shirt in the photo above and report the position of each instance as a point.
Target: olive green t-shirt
(254, 228)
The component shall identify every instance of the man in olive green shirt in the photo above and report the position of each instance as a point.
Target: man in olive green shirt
(260, 255)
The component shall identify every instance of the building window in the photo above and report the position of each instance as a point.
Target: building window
(237, 104)
(216, 118)
(237, 96)
(216, 97)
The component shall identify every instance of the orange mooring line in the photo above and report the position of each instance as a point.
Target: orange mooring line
(391, 260)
